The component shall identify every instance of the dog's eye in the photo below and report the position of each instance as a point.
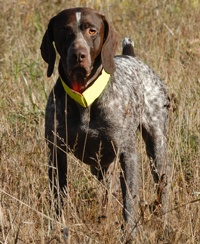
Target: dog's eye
(92, 32)
(69, 31)
(66, 31)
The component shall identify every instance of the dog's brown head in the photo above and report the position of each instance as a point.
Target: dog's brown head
(84, 40)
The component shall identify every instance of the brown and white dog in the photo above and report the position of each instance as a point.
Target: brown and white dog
(130, 97)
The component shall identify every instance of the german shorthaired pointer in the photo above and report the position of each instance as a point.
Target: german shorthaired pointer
(99, 102)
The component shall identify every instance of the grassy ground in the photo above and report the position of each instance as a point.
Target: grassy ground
(167, 38)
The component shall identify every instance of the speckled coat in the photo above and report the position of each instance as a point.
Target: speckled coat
(134, 98)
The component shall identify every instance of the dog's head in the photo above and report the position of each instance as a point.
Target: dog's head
(83, 38)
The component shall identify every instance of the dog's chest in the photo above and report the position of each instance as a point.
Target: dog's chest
(89, 132)
(92, 120)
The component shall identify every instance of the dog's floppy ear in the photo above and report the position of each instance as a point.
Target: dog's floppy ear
(47, 49)
(109, 47)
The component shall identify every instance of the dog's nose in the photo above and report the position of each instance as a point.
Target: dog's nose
(81, 56)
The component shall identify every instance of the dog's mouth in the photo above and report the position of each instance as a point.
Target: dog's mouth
(78, 78)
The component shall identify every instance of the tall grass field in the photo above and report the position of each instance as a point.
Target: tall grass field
(167, 38)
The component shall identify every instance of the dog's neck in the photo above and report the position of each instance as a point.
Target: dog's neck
(95, 73)
(95, 86)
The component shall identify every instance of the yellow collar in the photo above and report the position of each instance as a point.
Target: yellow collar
(91, 93)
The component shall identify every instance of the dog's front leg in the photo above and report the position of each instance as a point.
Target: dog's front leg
(130, 184)
(55, 133)
(57, 177)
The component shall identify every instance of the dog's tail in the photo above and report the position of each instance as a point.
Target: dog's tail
(128, 47)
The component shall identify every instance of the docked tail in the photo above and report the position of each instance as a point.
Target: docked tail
(128, 47)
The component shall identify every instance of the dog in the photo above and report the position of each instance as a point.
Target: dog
(99, 102)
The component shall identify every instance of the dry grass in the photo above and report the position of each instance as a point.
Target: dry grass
(166, 36)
